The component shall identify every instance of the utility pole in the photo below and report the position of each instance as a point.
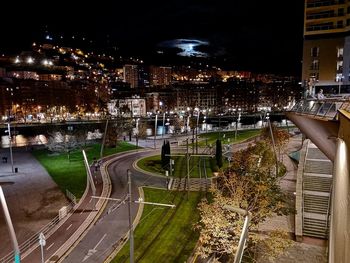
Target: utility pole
(131, 229)
(188, 158)
(42, 243)
(10, 144)
(188, 169)
(140, 201)
(163, 128)
(17, 257)
(198, 113)
(155, 131)
(104, 139)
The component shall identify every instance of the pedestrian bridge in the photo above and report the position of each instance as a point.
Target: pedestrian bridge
(318, 120)
(327, 123)
(324, 109)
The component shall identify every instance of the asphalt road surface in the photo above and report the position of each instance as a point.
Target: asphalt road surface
(111, 228)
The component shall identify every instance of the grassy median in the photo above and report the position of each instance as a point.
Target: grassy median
(226, 137)
(165, 234)
(71, 174)
(153, 164)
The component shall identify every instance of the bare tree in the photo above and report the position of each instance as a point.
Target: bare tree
(62, 142)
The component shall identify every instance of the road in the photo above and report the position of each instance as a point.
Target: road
(113, 224)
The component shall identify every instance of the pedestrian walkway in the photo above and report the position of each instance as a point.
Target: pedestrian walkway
(310, 250)
(33, 200)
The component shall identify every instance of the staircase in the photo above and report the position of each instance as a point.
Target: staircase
(317, 182)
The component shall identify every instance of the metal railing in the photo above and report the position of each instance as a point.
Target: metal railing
(328, 210)
(34, 239)
(326, 108)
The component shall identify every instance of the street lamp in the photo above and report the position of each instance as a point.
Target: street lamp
(273, 142)
(198, 113)
(140, 201)
(17, 258)
(10, 144)
(163, 129)
(244, 234)
(131, 229)
(155, 130)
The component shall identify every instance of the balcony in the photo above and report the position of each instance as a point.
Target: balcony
(320, 15)
(323, 3)
(320, 27)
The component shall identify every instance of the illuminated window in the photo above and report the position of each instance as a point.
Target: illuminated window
(340, 52)
(315, 64)
(315, 51)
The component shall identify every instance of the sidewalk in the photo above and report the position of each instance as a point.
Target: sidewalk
(33, 200)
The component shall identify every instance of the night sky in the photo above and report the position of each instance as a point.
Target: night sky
(253, 35)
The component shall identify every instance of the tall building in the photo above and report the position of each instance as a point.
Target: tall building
(131, 75)
(160, 76)
(326, 51)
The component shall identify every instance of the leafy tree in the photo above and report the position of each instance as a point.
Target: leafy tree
(281, 137)
(142, 130)
(218, 154)
(249, 184)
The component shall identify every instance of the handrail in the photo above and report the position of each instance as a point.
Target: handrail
(328, 208)
(326, 108)
(302, 185)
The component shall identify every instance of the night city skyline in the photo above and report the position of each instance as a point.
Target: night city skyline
(175, 131)
(256, 36)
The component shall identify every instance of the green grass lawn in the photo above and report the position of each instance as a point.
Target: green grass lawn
(71, 174)
(226, 137)
(153, 164)
(165, 234)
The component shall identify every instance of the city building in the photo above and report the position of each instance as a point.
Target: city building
(134, 106)
(160, 76)
(131, 75)
(326, 50)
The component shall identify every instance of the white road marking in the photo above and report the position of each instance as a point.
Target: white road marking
(92, 251)
(50, 246)
(69, 227)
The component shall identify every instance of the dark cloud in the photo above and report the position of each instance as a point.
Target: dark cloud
(256, 34)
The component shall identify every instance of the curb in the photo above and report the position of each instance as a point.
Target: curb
(126, 236)
(79, 234)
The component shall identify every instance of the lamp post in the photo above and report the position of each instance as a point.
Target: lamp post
(155, 130)
(89, 175)
(17, 257)
(163, 129)
(10, 144)
(131, 229)
(198, 113)
(140, 201)
(104, 139)
(273, 142)
(244, 234)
